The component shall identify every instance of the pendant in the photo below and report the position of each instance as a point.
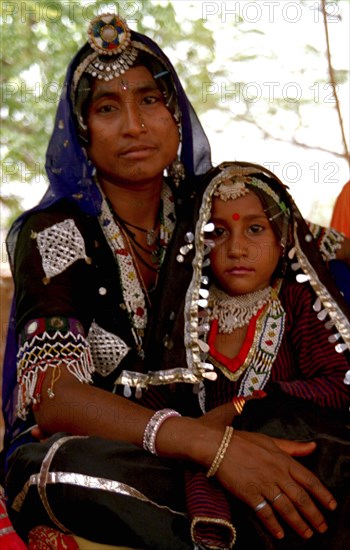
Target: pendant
(155, 256)
(151, 237)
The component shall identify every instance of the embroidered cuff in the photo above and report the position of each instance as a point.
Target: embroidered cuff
(50, 342)
(328, 240)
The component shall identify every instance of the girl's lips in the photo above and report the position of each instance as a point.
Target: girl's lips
(240, 270)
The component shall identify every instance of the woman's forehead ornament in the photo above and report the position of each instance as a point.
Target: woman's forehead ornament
(114, 51)
(108, 34)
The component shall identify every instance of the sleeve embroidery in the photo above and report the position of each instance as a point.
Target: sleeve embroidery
(107, 349)
(60, 246)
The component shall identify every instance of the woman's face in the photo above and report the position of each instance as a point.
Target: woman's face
(246, 251)
(132, 134)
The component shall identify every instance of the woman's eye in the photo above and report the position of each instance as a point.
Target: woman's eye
(151, 99)
(107, 108)
(256, 228)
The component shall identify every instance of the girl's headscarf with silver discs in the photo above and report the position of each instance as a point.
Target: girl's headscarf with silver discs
(301, 257)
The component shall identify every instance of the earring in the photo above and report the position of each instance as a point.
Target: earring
(82, 130)
(177, 171)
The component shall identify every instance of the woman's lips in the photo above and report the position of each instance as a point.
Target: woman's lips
(137, 152)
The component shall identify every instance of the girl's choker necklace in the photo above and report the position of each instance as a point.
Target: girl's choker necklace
(234, 312)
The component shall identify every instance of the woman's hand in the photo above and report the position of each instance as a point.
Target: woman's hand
(220, 417)
(38, 433)
(255, 468)
(261, 471)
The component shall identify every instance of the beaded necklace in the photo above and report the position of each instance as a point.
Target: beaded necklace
(134, 294)
(152, 237)
(151, 234)
(268, 332)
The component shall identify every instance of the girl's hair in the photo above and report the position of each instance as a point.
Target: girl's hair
(276, 205)
(279, 219)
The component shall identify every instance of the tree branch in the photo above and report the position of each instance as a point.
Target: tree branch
(332, 79)
(267, 135)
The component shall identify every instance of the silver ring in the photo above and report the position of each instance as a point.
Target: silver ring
(260, 506)
(277, 497)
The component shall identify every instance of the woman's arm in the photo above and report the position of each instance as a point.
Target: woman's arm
(81, 408)
(254, 467)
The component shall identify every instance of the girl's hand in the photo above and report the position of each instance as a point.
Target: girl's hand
(223, 416)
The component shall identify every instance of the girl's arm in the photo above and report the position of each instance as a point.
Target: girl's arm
(319, 369)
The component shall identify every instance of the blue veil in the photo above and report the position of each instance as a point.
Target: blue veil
(70, 176)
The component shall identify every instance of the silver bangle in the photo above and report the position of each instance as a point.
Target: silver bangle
(152, 428)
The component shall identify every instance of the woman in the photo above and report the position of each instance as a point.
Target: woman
(90, 264)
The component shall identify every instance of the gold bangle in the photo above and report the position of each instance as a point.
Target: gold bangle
(238, 402)
(221, 452)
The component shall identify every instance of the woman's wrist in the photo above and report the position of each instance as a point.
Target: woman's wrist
(153, 426)
(188, 438)
(220, 455)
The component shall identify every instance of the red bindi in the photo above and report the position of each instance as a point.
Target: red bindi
(235, 216)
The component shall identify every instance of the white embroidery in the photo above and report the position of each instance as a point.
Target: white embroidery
(46, 351)
(60, 246)
(330, 240)
(107, 349)
(133, 294)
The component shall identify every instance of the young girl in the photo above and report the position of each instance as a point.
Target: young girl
(263, 319)
(269, 317)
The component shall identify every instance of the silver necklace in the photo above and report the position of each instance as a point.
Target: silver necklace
(234, 312)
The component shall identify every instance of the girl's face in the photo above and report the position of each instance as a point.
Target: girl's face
(246, 251)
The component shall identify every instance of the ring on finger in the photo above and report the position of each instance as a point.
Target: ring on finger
(260, 506)
(276, 497)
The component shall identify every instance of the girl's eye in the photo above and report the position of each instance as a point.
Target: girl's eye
(256, 228)
(218, 232)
